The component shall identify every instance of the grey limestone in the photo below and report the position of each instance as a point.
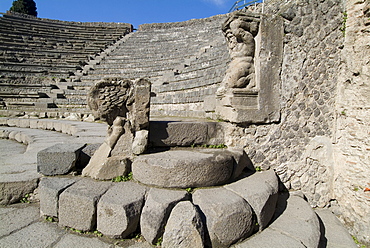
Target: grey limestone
(58, 159)
(119, 209)
(71, 240)
(17, 218)
(163, 133)
(333, 233)
(157, 208)
(39, 234)
(229, 218)
(260, 190)
(49, 190)
(140, 142)
(184, 227)
(78, 203)
(298, 220)
(270, 238)
(184, 168)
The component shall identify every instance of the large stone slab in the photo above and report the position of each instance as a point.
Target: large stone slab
(229, 218)
(15, 219)
(39, 234)
(184, 168)
(119, 209)
(49, 191)
(333, 233)
(12, 190)
(71, 240)
(297, 219)
(156, 211)
(184, 227)
(260, 190)
(77, 204)
(270, 238)
(58, 159)
(166, 133)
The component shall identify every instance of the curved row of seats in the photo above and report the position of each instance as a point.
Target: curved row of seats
(185, 61)
(32, 49)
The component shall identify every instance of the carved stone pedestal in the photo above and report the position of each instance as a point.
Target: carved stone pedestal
(238, 105)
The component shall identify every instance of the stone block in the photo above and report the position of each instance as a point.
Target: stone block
(260, 190)
(49, 191)
(184, 227)
(336, 235)
(157, 208)
(209, 104)
(270, 238)
(14, 191)
(78, 203)
(184, 168)
(58, 126)
(96, 161)
(39, 234)
(164, 133)
(229, 218)
(119, 209)
(58, 159)
(24, 123)
(3, 121)
(140, 142)
(13, 122)
(142, 104)
(42, 124)
(242, 162)
(34, 124)
(295, 217)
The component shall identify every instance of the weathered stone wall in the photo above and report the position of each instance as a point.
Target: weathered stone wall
(352, 141)
(320, 145)
(311, 62)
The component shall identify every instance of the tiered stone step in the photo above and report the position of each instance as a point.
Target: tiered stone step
(191, 70)
(231, 211)
(18, 173)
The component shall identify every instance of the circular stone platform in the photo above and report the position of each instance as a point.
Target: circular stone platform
(184, 168)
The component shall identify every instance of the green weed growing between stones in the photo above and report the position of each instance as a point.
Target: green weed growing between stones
(358, 243)
(258, 168)
(49, 219)
(26, 199)
(189, 190)
(159, 242)
(123, 178)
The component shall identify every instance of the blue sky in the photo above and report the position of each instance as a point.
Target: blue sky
(131, 11)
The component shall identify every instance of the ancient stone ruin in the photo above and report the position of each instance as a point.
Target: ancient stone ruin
(236, 130)
(125, 107)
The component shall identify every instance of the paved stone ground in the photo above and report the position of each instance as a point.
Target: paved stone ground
(21, 226)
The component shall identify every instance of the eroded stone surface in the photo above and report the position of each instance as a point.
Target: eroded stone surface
(119, 209)
(260, 190)
(229, 218)
(184, 168)
(184, 227)
(77, 204)
(49, 191)
(156, 211)
(58, 159)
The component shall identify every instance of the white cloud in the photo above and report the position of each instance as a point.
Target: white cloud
(218, 2)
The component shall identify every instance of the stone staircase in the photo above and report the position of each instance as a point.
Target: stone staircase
(186, 195)
(184, 61)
